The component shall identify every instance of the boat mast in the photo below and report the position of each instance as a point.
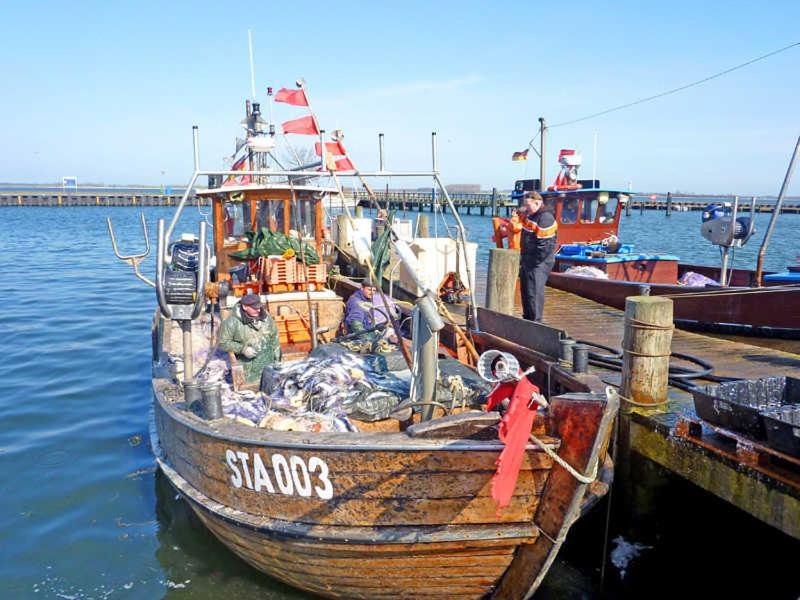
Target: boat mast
(763, 250)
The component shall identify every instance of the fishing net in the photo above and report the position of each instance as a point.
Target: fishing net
(381, 249)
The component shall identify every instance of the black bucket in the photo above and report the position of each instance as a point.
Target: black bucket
(212, 401)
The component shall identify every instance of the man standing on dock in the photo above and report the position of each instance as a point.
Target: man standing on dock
(537, 254)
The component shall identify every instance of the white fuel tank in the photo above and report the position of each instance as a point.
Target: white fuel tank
(436, 258)
(346, 230)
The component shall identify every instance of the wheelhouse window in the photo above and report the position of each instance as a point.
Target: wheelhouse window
(270, 214)
(588, 209)
(608, 208)
(233, 219)
(303, 218)
(569, 209)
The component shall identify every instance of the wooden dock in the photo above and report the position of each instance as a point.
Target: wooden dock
(757, 480)
(586, 320)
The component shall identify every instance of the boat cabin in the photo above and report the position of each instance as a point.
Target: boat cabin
(586, 216)
(241, 209)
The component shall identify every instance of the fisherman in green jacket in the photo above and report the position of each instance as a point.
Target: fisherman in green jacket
(251, 334)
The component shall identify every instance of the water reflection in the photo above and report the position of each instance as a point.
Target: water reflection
(192, 558)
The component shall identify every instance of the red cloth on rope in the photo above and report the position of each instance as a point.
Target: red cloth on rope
(515, 427)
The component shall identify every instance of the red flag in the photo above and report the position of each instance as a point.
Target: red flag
(305, 126)
(344, 164)
(331, 148)
(515, 427)
(293, 97)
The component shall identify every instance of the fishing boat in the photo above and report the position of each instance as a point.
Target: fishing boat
(453, 493)
(594, 263)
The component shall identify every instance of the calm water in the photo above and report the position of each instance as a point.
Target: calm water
(83, 513)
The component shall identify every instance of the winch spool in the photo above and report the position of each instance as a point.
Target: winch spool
(185, 256)
(180, 287)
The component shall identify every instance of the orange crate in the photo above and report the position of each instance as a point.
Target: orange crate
(248, 287)
(280, 270)
(312, 277)
(291, 329)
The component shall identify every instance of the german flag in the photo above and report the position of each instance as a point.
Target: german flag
(520, 155)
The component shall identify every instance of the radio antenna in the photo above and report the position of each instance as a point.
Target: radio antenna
(252, 67)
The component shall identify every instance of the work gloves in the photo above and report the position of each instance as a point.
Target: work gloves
(249, 352)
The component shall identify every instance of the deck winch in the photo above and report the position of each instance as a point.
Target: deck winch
(723, 227)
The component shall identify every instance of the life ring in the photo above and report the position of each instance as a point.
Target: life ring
(506, 229)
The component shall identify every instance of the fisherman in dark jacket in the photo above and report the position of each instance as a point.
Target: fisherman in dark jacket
(537, 253)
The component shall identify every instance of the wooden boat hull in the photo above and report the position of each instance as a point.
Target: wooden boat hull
(763, 312)
(388, 515)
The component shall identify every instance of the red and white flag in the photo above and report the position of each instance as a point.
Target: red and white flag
(293, 97)
(304, 126)
(331, 148)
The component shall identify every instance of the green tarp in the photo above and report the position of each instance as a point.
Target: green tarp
(274, 243)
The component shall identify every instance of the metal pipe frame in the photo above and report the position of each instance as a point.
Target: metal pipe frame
(160, 249)
(202, 273)
(778, 205)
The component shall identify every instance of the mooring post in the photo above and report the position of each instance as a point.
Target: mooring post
(669, 204)
(359, 211)
(628, 206)
(494, 202)
(422, 226)
(646, 347)
(501, 280)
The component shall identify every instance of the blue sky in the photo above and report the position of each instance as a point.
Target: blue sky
(109, 91)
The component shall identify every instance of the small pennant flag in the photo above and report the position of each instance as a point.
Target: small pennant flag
(293, 97)
(303, 126)
(520, 155)
(331, 148)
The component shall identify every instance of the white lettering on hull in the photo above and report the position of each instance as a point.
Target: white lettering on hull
(291, 477)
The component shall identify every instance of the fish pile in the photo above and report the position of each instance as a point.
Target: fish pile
(254, 409)
(340, 385)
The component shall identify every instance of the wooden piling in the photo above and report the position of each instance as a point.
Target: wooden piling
(422, 226)
(494, 202)
(669, 204)
(628, 206)
(359, 211)
(501, 280)
(646, 347)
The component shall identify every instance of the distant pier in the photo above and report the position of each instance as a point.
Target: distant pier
(483, 203)
(71, 199)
